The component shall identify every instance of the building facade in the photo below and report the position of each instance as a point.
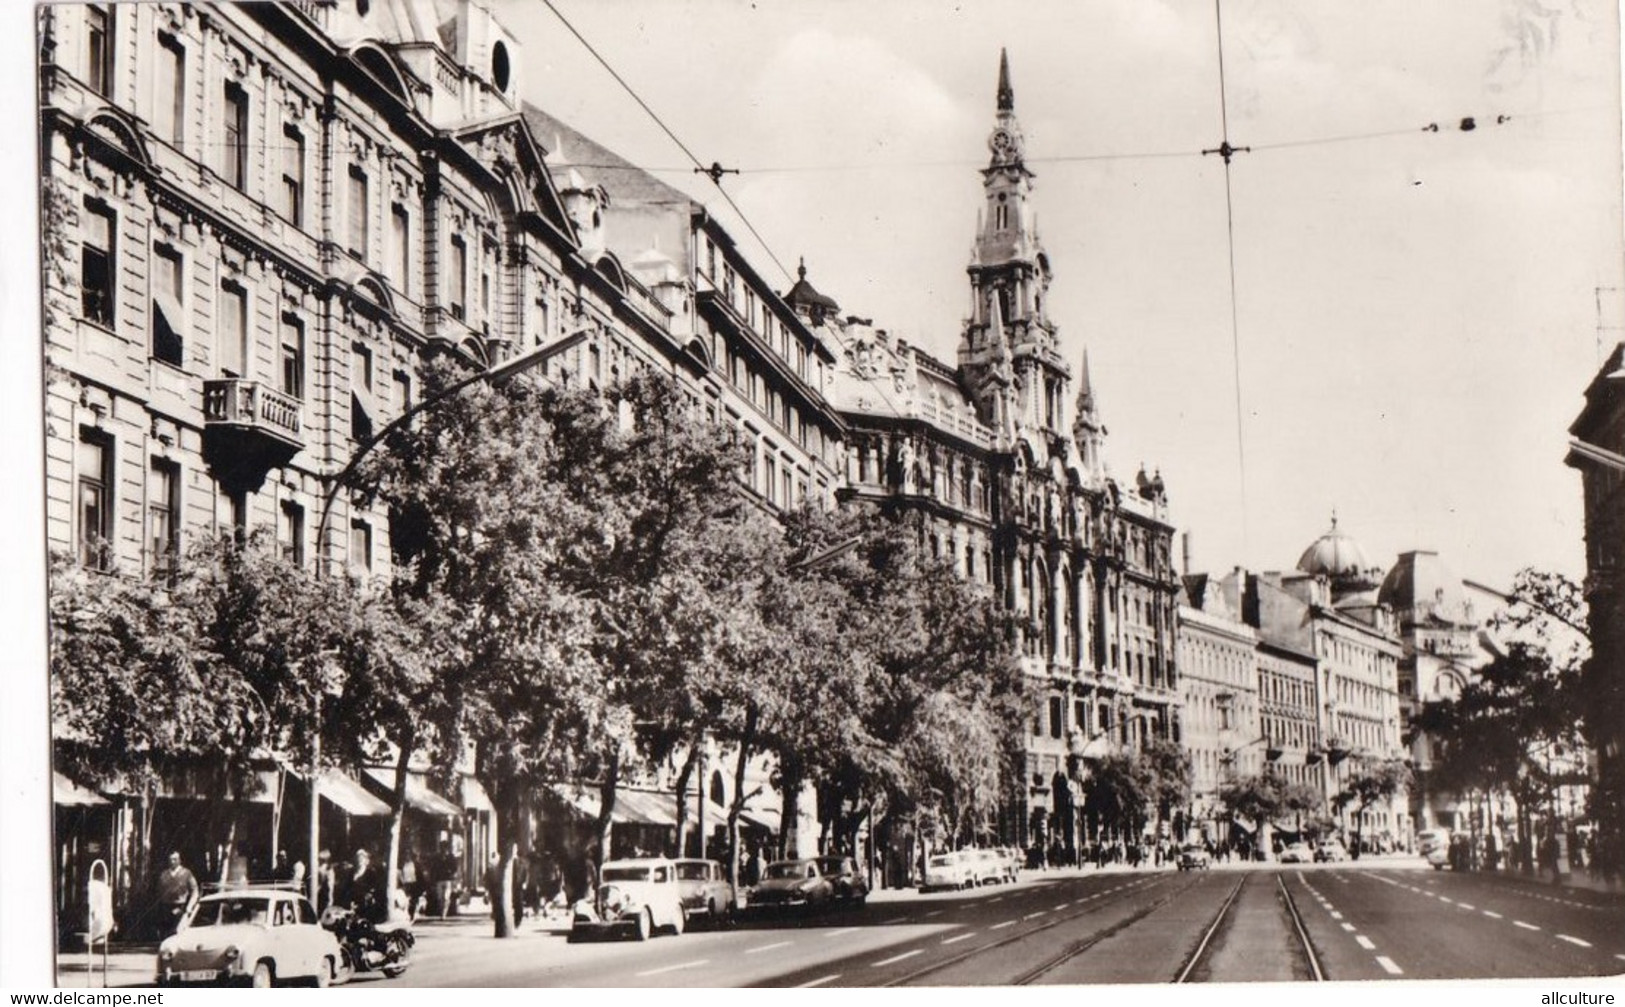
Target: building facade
(1220, 679)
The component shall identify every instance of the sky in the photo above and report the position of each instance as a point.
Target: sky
(1417, 313)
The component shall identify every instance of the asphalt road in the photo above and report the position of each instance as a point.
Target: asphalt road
(1340, 921)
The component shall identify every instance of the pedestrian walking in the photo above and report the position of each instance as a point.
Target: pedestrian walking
(177, 893)
(409, 884)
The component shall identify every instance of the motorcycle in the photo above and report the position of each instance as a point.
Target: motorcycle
(370, 947)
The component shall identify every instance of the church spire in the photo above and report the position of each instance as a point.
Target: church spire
(1007, 97)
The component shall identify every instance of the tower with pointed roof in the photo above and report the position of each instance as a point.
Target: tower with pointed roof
(1008, 351)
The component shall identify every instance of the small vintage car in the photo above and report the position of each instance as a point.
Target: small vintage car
(704, 891)
(635, 896)
(1194, 857)
(792, 883)
(258, 936)
(948, 870)
(1330, 851)
(848, 884)
(1295, 853)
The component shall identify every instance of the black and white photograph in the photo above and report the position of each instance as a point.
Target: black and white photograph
(810, 493)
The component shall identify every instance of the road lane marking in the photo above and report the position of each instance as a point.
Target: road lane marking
(843, 930)
(820, 981)
(1001, 926)
(1465, 905)
(993, 900)
(676, 968)
(1526, 926)
(1348, 927)
(1364, 942)
(897, 958)
(961, 937)
(1574, 940)
(1388, 966)
(1493, 916)
(1447, 899)
(1620, 957)
(1337, 916)
(894, 919)
(1062, 906)
(770, 947)
(1030, 916)
(938, 912)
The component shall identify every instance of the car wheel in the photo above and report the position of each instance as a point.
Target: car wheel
(646, 924)
(324, 974)
(678, 924)
(263, 977)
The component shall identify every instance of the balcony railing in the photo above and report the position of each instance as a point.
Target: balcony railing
(252, 406)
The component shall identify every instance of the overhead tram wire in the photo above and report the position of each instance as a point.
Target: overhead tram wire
(1226, 151)
(712, 171)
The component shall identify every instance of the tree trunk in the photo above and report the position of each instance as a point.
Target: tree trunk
(746, 738)
(606, 813)
(683, 777)
(509, 811)
(790, 778)
(397, 814)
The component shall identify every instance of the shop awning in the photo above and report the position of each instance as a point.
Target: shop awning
(347, 793)
(474, 796)
(764, 818)
(632, 807)
(70, 794)
(418, 794)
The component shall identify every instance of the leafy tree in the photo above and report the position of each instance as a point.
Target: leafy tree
(1168, 771)
(1372, 783)
(1118, 792)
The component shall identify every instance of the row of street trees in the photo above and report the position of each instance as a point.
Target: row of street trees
(1123, 792)
(582, 591)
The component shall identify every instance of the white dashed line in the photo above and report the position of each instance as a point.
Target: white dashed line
(1030, 916)
(1061, 906)
(1574, 940)
(1364, 942)
(1526, 926)
(1447, 900)
(676, 968)
(1337, 916)
(1464, 905)
(1001, 926)
(998, 898)
(769, 947)
(843, 930)
(1620, 957)
(1347, 926)
(896, 958)
(820, 981)
(938, 912)
(894, 919)
(961, 937)
(1388, 966)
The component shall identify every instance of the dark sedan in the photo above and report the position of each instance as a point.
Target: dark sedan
(848, 885)
(792, 884)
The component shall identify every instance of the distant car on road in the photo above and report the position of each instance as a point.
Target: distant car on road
(792, 884)
(255, 936)
(991, 867)
(639, 896)
(1194, 857)
(947, 870)
(1295, 853)
(848, 885)
(704, 891)
(1330, 851)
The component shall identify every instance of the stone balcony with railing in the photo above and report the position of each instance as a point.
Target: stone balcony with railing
(249, 428)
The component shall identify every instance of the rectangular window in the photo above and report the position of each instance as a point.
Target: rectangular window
(97, 263)
(770, 485)
(169, 91)
(99, 50)
(168, 319)
(163, 516)
(293, 357)
(400, 225)
(234, 139)
(459, 277)
(95, 490)
(1057, 725)
(290, 533)
(359, 209)
(361, 368)
(293, 175)
(789, 493)
(403, 391)
(232, 327)
(361, 544)
(238, 505)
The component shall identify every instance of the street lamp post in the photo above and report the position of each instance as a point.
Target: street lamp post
(513, 365)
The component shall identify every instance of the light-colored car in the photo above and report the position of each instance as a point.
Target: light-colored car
(1296, 853)
(704, 891)
(990, 866)
(259, 936)
(637, 896)
(1330, 851)
(1014, 859)
(1194, 857)
(947, 870)
(792, 884)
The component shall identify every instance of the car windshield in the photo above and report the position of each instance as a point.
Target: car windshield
(224, 912)
(832, 865)
(787, 869)
(625, 874)
(693, 872)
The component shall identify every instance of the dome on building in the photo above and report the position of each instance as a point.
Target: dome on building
(1420, 585)
(804, 298)
(1340, 559)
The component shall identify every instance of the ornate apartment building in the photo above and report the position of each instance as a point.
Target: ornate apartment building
(1219, 678)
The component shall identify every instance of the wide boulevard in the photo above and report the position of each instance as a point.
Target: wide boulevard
(1376, 920)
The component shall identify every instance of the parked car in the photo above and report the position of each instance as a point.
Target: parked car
(704, 891)
(1330, 851)
(1194, 857)
(848, 884)
(1295, 853)
(1434, 845)
(990, 867)
(1013, 858)
(258, 936)
(947, 870)
(792, 883)
(637, 896)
